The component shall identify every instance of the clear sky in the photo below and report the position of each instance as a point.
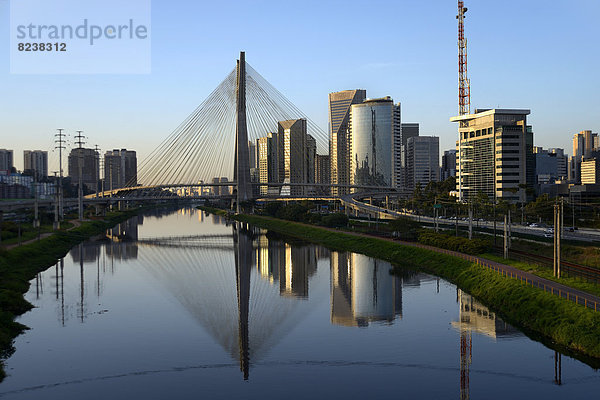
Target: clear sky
(541, 55)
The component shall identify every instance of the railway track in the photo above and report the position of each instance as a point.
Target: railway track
(583, 271)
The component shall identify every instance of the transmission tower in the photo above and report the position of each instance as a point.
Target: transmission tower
(464, 85)
(60, 145)
(79, 142)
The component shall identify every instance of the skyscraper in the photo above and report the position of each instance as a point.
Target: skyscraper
(408, 130)
(294, 153)
(36, 161)
(339, 151)
(371, 142)
(268, 161)
(584, 143)
(550, 165)
(448, 164)
(495, 154)
(397, 147)
(120, 169)
(6, 160)
(90, 170)
(323, 172)
(422, 160)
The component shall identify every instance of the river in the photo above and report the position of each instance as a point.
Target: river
(179, 304)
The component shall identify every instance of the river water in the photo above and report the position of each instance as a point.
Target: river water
(178, 304)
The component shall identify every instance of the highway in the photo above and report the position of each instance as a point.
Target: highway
(583, 234)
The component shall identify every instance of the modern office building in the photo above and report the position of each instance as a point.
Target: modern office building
(339, 146)
(397, 147)
(120, 169)
(550, 165)
(495, 155)
(6, 160)
(422, 160)
(310, 159)
(268, 161)
(448, 164)
(299, 150)
(36, 161)
(408, 130)
(86, 161)
(584, 144)
(590, 172)
(323, 173)
(372, 142)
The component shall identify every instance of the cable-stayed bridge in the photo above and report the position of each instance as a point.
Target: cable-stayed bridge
(210, 148)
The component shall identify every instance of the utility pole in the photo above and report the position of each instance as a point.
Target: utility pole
(505, 236)
(436, 216)
(557, 238)
(572, 210)
(456, 220)
(36, 210)
(494, 221)
(470, 221)
(56, 200)
(97, 167)
(509, 229)
(80, 143)
(60, 141)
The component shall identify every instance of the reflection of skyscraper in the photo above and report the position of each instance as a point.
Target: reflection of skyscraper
(300, 264)
(363, 290)
(123, 238)
(290, 265)
(476, 317)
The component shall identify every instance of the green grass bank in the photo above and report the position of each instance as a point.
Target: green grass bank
(20, 265)
(554, 321)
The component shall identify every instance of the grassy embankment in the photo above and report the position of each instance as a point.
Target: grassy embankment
(20, 265)
(553, 320)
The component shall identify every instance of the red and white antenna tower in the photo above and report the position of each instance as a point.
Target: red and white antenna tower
(464, 85)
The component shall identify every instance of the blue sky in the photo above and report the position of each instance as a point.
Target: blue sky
(533, 54)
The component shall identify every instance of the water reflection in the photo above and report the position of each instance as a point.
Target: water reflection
(249, 289)
(363, 290)
(475, 317)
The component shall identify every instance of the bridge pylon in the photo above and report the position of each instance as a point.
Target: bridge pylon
(241, 169)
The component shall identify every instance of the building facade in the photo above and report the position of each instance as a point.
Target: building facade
(323, 173)
(120, 169)
(36, 161)
(267, 159)
(86, 161)
(590, 172)
(371, 142)
(6, 160)
(584, 144)
(495, 155)
(422, 160)
(448, 164)
(294, 153)
(339, 146)
(550, 165)
(408, 130)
